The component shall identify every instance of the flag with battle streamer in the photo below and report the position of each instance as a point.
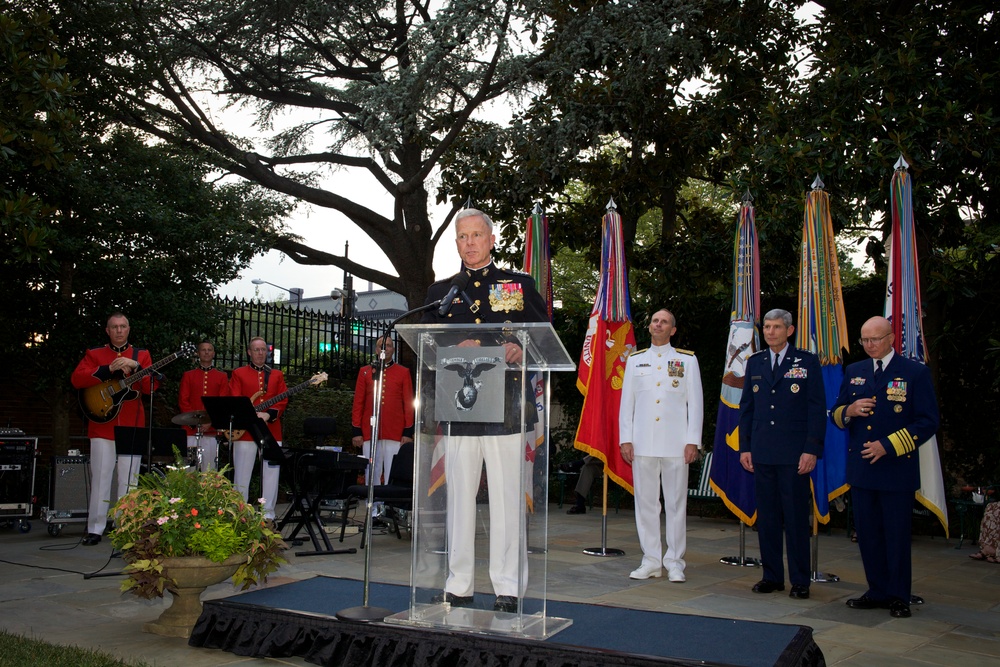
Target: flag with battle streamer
(823, 331)
(538, 265)
(609, 341)
(727, 477)
(902, 309)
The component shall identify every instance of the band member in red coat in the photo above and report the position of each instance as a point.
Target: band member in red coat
(206, 380)
(99, 364)
(396, 414)
(260, 382)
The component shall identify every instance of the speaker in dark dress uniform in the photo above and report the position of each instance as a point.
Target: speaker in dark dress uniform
(491, 296)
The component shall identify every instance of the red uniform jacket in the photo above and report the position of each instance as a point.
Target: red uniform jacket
(197, 383)
(248, 382)
(397, 404)
(93, 369)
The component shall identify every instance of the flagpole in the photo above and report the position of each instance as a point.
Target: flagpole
(823, 331)
(742, 560)
(603, 550)
(610, 339)
(735, 485)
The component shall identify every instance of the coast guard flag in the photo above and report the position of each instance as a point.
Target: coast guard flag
(902, 308)
(727, 477)
(609, 341)
(823, 331)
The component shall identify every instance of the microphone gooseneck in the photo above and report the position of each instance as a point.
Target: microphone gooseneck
(458, 285)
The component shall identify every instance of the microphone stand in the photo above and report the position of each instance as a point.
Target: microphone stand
(365, 613)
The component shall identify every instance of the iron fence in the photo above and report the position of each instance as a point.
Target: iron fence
(302, 341)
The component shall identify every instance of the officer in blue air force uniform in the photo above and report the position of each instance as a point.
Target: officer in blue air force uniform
(888, 407)
(782, 428)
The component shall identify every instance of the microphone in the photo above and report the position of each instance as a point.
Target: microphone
(458, 285)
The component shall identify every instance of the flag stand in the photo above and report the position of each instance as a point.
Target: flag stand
(817, 576)
(603, 550)
(741, 560)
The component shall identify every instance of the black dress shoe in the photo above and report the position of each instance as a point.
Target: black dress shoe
(865, 602)
(899, 609)
(90, 539)
(799, 592)
(575, 509)
(505, 603)
(452, 599)
(765, 586)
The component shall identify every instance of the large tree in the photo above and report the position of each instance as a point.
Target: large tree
(385, 88)
(37, 131)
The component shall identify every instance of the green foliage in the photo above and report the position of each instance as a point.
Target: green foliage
(37, 132)
(189, 513)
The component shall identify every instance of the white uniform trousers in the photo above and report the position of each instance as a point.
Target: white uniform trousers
(245, 455)
(464, 458)
(384, 454)
(649, 475)
(209, 451)
(102, 469)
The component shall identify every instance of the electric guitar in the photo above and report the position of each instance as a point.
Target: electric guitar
(101, 402)
(235, 434)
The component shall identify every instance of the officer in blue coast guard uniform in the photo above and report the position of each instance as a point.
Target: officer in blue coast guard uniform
(491, 296)
(888, 406)
(782, 428)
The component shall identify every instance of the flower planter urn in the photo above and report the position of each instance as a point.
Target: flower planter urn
(193, 575)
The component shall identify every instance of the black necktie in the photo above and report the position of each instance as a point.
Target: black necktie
(878, 370)
(774, 368)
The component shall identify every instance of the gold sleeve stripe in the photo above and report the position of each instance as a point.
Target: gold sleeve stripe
(838, 416)
(902, 442)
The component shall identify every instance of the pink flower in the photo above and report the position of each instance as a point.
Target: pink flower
(162, 520)
(194, 512)
(197, 525)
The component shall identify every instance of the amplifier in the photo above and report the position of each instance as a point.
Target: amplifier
(17, 476)
(70, 488)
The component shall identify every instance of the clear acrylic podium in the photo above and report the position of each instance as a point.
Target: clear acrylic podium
(464, 391)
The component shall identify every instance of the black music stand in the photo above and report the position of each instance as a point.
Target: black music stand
(149, 443)
(318, 474)
(229, 413)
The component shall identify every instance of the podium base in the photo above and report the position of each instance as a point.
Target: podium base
(824, 578)
(603, 552)
(363, 614)
(449, 617)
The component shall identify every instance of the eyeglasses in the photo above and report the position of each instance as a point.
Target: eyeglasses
(872, 341)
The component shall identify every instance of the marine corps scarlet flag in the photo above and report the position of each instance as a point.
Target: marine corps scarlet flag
(610, 340)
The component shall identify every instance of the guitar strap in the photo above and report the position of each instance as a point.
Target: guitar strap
(267, 377)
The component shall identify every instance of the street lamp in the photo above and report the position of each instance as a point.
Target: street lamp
(292, 291)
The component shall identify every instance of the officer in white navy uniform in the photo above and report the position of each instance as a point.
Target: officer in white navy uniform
(659, 427)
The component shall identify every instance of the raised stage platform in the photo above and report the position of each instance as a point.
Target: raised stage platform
(298, 619)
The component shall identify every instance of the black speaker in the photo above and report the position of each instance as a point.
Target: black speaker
(17, 476)
(70, 488)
